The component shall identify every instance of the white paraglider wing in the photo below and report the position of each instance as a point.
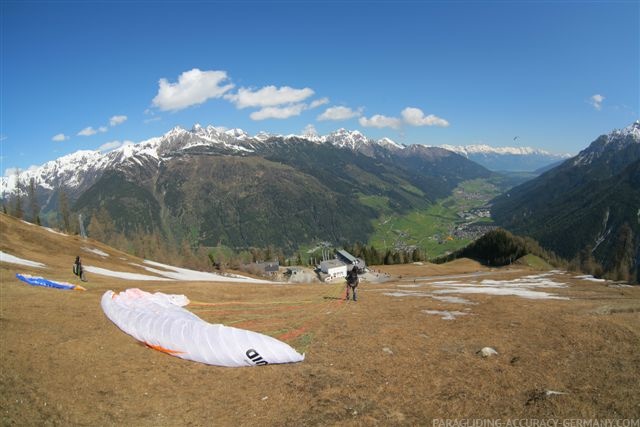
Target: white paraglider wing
(159, 321)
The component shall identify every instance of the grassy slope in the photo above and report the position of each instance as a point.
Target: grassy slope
(380, 361)
(534, 262)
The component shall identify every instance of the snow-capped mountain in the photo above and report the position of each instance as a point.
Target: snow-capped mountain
(507, 158)
(77, 171)
(223, 186)
(615, 141)
(585, 207)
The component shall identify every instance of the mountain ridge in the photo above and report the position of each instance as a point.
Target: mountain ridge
(587, 208)
(55, 173)
(215, 186)
(510, 159)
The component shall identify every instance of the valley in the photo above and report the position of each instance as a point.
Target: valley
(447, 225)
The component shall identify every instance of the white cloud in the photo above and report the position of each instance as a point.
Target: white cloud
(60, 137)
(88, 131)
(309, 130)
(415, 117)
(19, 171)
(339, 113)
(108, 146)
(380, 121)
(112, 145)
(318, 102)
(268, 96)
(278, 112)
(102, 129)
(193, 87)
(117, 120)
(596, 101)
(152, 119)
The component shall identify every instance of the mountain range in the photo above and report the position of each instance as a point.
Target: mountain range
(588, 207)
(211, 186)
(508, 159)
(79, 170)
(216, 186)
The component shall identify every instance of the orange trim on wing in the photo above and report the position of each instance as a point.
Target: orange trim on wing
(164, 350)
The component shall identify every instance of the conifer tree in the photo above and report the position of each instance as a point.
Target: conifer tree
(64, 209)
(33, 201)
(18, 209)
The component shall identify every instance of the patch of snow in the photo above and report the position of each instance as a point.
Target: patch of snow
(501, 291)
(619, 285)
(185, 274)
(123, 274)
(407, 294)
(51, 230)
(524, 282)
(524, 287)
(96, 251)
(538, 276)
(445, 315)
(590, 278)
(5, 257)
(444, 283)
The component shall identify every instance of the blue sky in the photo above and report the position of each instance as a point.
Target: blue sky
(85, 75)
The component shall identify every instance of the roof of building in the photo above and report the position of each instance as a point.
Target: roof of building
(346, 255)
(332, 263)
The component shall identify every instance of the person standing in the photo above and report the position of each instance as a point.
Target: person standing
(352, 282)
(77, 268)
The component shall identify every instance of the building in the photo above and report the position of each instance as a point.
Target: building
(269, 268)
(351, 261)
(333, 269)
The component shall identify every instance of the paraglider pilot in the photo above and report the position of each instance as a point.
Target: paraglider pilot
(352, 282)
(77, 267)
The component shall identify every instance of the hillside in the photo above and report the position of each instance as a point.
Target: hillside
(499, 248)
(587, 206)
(406, 353)
(207, 186)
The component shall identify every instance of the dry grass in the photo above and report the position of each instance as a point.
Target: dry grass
(380, 361)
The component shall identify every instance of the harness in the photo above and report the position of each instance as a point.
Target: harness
(352, 281)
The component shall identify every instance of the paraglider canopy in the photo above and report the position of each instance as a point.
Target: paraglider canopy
(160, 321)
